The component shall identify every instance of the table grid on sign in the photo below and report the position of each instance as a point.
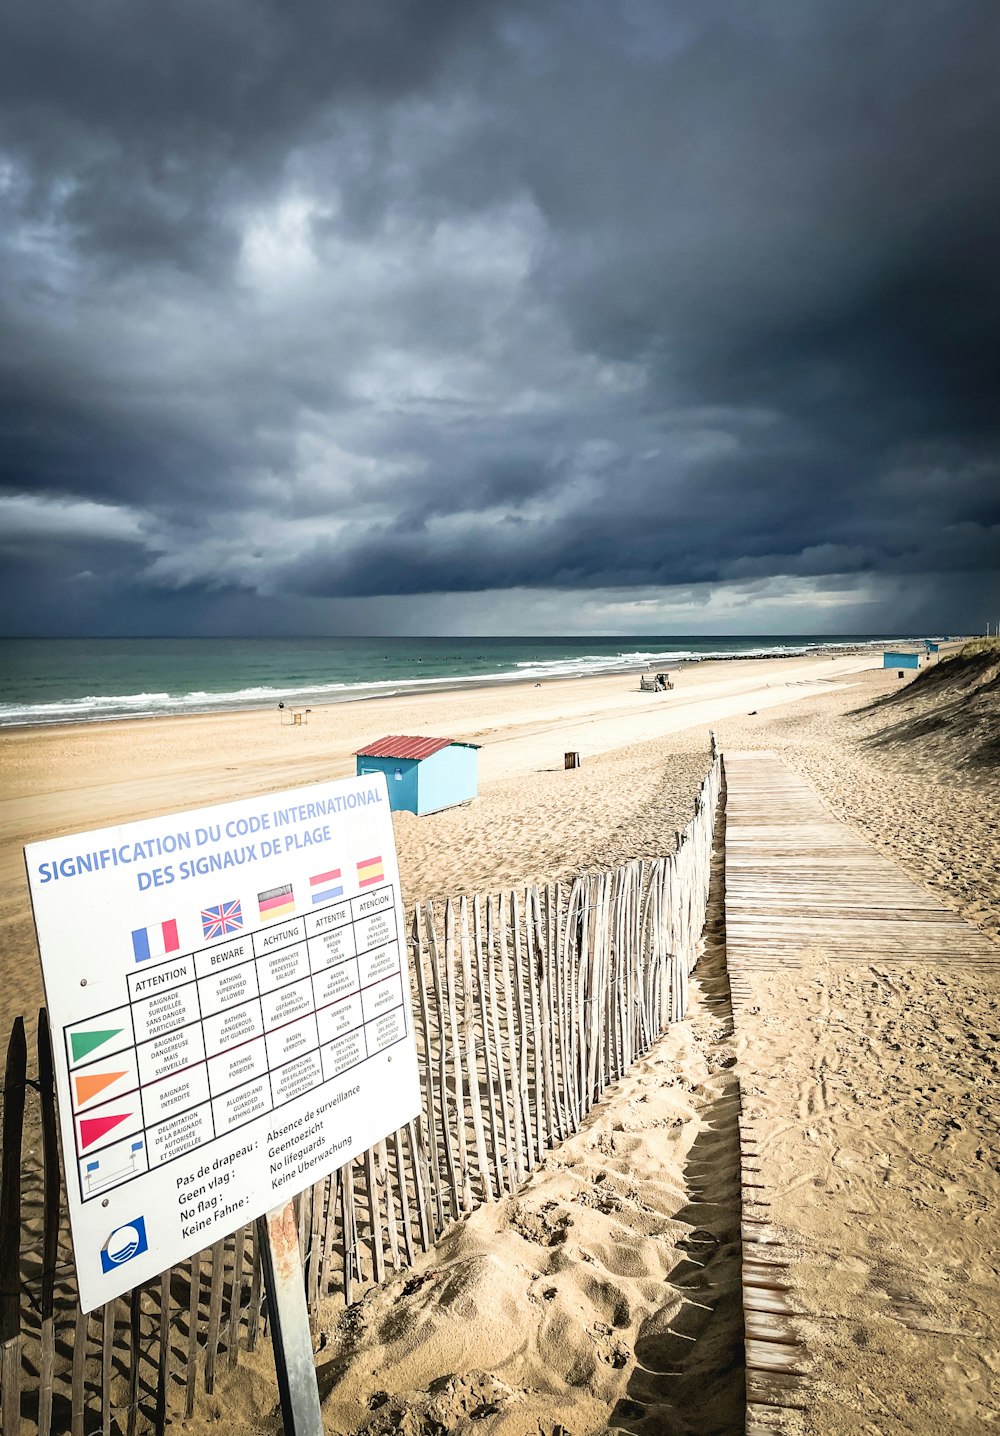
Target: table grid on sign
(212, 1039)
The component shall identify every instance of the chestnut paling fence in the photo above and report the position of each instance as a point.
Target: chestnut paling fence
(526, 1006)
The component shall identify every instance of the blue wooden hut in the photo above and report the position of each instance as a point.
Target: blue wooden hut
(423, 774)
(900, 660)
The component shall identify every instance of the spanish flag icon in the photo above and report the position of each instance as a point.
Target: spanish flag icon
(370, 872)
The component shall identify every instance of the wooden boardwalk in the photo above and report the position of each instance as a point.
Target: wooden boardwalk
(803, 892)
(799, 883)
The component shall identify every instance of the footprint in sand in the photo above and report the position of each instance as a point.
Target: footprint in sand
(547, 1226)
(811, 1098)
(609, 1349)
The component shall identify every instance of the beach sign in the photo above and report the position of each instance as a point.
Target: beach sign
(229, 1000)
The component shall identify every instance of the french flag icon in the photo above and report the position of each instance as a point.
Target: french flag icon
(157, 941)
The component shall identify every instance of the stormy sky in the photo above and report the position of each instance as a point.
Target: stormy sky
(460, 316)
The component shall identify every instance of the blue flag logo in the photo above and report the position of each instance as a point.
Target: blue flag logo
(124, 1243)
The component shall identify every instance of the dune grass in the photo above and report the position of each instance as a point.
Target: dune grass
(977, 646)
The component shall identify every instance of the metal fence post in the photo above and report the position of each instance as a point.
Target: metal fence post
(288, 1319)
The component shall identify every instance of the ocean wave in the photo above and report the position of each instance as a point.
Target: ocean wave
(109, 707)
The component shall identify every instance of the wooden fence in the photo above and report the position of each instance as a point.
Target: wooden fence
(526, 1005)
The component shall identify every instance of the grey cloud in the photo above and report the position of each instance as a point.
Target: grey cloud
(403, 300)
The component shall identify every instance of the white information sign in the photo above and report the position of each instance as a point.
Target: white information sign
(230, 1010)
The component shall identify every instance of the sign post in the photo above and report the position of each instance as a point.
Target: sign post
(230, 1010)
(288, 1317)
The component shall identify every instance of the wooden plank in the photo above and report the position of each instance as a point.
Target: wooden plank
(453, 1002)
(374, 1219)
(329, 1235)
(385, 1187)
(107, 1349)
(550, 988)
(446, 1142)
(15, 1073)
(78, 1384)
(510, 1102)
(135, 1346)
(512, 1049)
(404, 1201)
(51, 1193)
(573, 977)
(471, 1055)
(194, 1297)
(214, 1313)
(418, 1167)
(349, 1237)
(594, 993)
(801, 885)
(562, 1015)
(434, 1168)
(256, 1290)
(236, 1294)
(522, 1032)
(531, 976)
(315, 1254)
(543, 946)
(489, 1057)
(163, 1360)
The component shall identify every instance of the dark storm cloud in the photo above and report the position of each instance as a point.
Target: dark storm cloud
(156, 119)
(411, 299)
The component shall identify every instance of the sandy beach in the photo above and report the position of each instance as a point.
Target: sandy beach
(532, 819)
(607, 1292)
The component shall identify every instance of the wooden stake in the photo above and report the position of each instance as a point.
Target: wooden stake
(50, 1224)
(451, 978)
(15, 1073)
(489, 1063)
(471, 1058)
(404, 1200)
(522, 1063)
(504, 1099)
(374, 1219)
(532, 969)
(417, 1160)
(435, 1171)
(515, 1080)
(194, 1295)
(446, 1142)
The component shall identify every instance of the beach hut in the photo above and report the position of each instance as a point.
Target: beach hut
(900, 660)
(424, 774)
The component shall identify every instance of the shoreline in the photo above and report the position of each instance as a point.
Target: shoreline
(461, 712)
(416, 687)
(641, 752)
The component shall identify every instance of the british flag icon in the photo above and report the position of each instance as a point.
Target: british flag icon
(224, 918)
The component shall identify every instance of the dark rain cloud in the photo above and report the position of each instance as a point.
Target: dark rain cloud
(328, 303)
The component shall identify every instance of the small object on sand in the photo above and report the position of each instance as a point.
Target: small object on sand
(752, 713)
(571, 760)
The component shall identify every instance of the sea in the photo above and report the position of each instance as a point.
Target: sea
(89, 680)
